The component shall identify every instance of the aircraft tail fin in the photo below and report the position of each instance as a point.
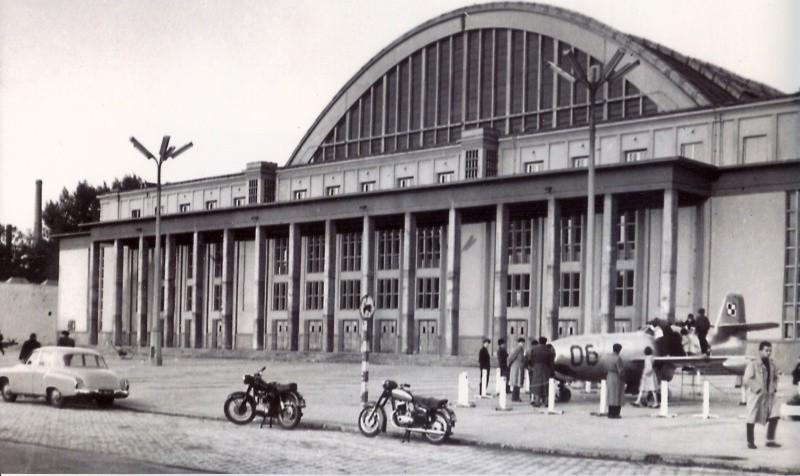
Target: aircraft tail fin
(731, 320)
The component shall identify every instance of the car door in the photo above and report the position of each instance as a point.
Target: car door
(41, 369)
(25, 377)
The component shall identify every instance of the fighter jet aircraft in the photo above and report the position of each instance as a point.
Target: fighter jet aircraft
(578, 357)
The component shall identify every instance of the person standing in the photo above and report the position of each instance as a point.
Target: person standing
(502, 360)
(761, 380)
(702, 326)
(1, 344)
(648, 382)
(484, 363)
(615, 382)
(517, 362)
(540, 372)
(28, 347)
(65, 340)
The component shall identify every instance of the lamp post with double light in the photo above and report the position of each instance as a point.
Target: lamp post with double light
(166, 152)
(594, 79)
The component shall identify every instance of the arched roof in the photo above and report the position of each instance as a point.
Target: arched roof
(486, 65)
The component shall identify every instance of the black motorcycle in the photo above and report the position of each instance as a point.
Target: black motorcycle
(426, 415)
(266, 399)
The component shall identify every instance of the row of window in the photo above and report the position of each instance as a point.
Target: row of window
(186, 207)
(791, 275)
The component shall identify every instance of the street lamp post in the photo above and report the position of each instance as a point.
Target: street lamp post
(594, 79)
(166, 152)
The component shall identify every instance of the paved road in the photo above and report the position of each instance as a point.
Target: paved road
(85, 439)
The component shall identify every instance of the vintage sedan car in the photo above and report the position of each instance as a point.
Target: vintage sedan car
(62, 373)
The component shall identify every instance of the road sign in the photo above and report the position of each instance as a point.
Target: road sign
(367, 307)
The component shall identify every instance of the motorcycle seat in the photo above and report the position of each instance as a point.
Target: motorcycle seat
(430, 402)
(286, 388)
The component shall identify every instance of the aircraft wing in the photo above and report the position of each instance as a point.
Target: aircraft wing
(727, 363)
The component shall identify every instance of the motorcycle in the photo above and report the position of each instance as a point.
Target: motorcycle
(266, 399)
(427, 415)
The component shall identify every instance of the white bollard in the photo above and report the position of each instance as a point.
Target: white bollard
(743, 396)
(664, 409)
(551, 395)
(502, 406)
(484, 383)
(463, 390)
(603, 410)
(526, 384)
(499, 387)
(706, 402)
(587, 387)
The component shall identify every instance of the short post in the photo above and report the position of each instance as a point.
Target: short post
(499, 386)
(706, 402)
(664, 409)
(587, 387)
(551, 399)
(366, 308)
(463, 391)
(603, 410)
(526, 382)
(484, 383)
(502, 406)
(743, 396)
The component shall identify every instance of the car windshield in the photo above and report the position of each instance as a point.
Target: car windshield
(84, 360)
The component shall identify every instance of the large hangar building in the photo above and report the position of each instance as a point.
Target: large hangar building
(448, 179)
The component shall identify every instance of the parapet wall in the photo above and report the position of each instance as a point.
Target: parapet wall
(27, 308)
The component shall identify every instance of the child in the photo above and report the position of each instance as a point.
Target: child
(648, 382)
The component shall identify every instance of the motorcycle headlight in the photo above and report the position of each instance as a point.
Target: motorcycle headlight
(123, 384)
(78, 383)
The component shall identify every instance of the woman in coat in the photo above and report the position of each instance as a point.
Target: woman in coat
(615, 382)
(761, 380)
(516, 362)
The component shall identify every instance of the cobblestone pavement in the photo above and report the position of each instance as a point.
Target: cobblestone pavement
(200, 444)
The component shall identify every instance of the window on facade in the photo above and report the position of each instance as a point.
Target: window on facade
(535, 166)
(351, 252)
(389, 249)
(184, 207)
(217, 297)
(211, 204)
(349, 293)
(519, 241)
(404, 182)
(626, 244)
(388, 293)
(445, 177)
(315, 254)
(268, 191)
(571, 237)
(279, 293)
(299, 194)
(471, 164)
(252, 191)
(333, 190)
(429, 247)
(491, 163)
(518, 290)
(314, 294)
(791, 275)
(190, 262)
(367, 186)
(155, 210)
(238, 201)
(281, 258)
(427, 293)
(189, 297)
(136, 213)
(216, 256)
(692, 150)
(101, 273)
(625, 287)
(570, 289)
(163, 299)
(635, 155)
(578, 162)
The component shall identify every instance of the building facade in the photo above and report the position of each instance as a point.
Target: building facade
(448, 180)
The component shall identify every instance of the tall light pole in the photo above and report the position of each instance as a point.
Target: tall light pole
(594, 79)
(166, 152)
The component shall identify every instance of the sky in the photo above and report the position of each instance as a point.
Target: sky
(244, 80)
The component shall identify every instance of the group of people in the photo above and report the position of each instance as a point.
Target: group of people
(689, 337)
(537, 362)
(32, 344)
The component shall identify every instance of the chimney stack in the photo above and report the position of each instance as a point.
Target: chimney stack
(9, 237)
(37, 220)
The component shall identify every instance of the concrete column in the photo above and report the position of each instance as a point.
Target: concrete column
(452, 281)
(368, 269)
(259, 291)
(227, 288)
(608, 265)
(293, 292)
(198, 280)
(408, 284)
(169, 292)
(501, 273)
(329, 283)
(141, 305)
(95, 311)
(552, 269)
(669, 255)
(119, 249)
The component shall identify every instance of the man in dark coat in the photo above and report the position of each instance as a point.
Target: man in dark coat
(65, 340)
(484, 363)
(502, 361)
(28, 347)
(540, 372)
(702, 327)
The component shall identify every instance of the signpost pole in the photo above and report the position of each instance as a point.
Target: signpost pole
(366, 308)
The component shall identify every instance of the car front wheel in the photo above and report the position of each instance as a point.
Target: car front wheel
(56, 398)
(8, 395)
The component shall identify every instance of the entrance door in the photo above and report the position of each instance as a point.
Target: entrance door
(351, 336)
(427, 337)
(517, 328)
(283, 336)
(387, 335)
(314, 333)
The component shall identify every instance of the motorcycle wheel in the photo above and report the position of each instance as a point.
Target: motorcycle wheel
(370, 423)
(289, 418)
(240, 409)
(441, 426)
